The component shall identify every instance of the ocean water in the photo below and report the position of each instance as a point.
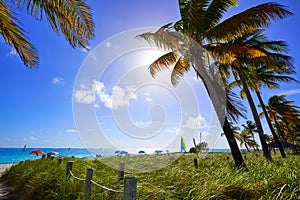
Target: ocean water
(15, 155)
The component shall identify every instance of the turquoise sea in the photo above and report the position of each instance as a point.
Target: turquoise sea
(15, 155)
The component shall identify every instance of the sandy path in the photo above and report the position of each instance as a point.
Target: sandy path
(4, 167)
(4, 189)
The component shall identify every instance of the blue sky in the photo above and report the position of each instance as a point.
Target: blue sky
(36, 104)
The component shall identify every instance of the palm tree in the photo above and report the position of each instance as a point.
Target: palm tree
(266, 71)
(201, 21)
(249, 129)
(71, 18)
(279, 107)
(242, 138)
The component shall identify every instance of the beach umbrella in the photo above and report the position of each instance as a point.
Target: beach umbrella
(123, 152)
(52, 153)
(158, 151)
(142, 152)
(117, 152)
(37, 152)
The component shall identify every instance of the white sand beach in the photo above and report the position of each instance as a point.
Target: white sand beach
(4, 167)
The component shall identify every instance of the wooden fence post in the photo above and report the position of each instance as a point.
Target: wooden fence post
(130, 186)
(196, 162)
(59, 161)
(88, 183)
(121, 171)
(69, 167)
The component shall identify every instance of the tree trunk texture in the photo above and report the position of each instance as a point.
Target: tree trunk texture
(235, 151)
(227, 130)
(255, 116)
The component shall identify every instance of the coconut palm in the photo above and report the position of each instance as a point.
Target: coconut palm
(71, 18)
(249, 129)
(201, 21)
(266, 71)
(279, 107)
(245, 137)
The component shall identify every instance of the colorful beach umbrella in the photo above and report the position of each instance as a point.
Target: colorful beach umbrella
(37, 152)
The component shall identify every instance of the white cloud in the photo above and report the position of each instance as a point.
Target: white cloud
(290, 92)
(120, 96)
(195, 123)
(71, 131)
(13, 52)
(142, 123)
(108, 44)
(57, 80)
(147, 97)
(31, 138)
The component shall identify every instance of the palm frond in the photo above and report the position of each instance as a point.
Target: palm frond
(248, 21)
(235, 108)
(228, 53)
(163, 62)
(14, 35)
(70, 17)
(181, 66)
(165, 38)
(215, 12)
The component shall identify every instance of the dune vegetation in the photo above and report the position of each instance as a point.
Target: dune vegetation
(215, 178)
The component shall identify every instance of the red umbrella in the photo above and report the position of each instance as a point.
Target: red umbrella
(37, 152)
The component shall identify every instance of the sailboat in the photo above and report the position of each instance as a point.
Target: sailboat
(183, 145)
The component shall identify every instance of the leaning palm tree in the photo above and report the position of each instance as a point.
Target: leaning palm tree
(71, 18)
(201, 22)
(266, 71)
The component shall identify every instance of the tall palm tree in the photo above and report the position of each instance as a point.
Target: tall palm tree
(201, 21)
(72, 18)
(267, 71)
(249, 129)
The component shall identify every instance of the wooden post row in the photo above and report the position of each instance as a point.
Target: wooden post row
(69, 167)
(121, 171)
(88, 183)
(196, 162)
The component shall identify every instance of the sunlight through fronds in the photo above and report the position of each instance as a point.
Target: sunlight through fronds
(163, 62)
(70, 17)
(181, 66)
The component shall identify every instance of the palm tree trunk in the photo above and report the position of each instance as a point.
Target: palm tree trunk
(279, 129)
(255, 116)
(235, 151)
(227, 130)
(279, 144)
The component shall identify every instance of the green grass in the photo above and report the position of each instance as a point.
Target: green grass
(215, 178)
